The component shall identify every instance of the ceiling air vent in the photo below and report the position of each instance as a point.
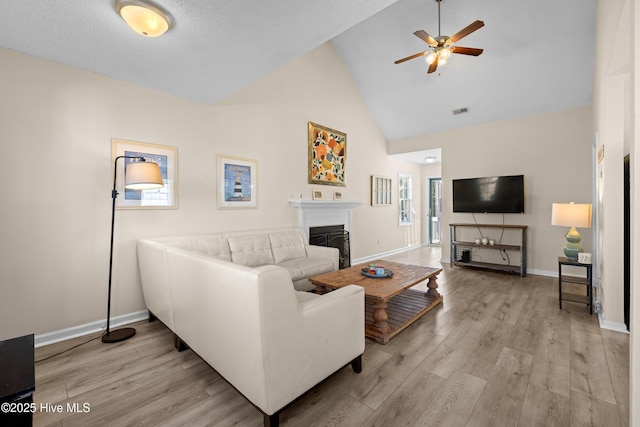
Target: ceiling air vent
(460, 111)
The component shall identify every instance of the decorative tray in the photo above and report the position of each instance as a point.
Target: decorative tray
(387, 273)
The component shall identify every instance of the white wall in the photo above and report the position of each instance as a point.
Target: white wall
(612, 118)
(552, 151)
(634, 339)
(56, 125)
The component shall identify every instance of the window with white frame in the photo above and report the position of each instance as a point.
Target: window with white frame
(405, 200)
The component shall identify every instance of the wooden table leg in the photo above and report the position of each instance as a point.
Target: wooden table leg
(380, 317)
(433, 287)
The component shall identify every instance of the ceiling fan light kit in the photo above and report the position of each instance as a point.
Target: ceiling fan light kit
(441, 48)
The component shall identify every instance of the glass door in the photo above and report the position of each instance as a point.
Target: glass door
(435, 211)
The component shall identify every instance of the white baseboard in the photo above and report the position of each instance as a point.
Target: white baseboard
(88, 328)
(383, 254)
(546, 273)
(612, 326)
(535, 272)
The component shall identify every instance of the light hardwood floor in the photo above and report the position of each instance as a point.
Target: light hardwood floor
(498, 352)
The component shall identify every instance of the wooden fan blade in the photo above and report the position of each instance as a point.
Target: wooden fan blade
(423, 35)
(466, 31)
(417, 55)
(433, 66)
(466, 50)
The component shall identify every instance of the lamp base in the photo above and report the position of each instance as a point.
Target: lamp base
(572, 252)
(573, 246)
(118, 335)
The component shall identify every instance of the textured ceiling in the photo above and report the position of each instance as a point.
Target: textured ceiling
(538, 55)
(214, 49)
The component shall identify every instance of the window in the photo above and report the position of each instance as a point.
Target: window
(405, 200)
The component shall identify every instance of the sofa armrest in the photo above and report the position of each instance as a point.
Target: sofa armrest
(334, 323)
(326, 301)
(332, 254)
(327, 335)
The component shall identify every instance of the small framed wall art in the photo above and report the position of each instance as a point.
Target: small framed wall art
(166, 158)
(337, 195)
(327, 155)
(317, 194)
(237, 182)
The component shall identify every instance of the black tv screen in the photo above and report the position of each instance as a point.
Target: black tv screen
(496, 194)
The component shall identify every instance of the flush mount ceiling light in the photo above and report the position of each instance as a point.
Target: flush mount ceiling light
(143, 17)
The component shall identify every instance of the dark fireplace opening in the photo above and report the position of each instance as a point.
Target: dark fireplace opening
(334, 236)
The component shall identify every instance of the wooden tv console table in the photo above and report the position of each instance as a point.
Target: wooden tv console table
(522, 248)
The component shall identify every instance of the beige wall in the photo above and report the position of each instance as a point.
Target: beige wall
(56, 125)
(553, 151)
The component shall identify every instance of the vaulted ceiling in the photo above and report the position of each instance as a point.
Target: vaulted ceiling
(538, 55)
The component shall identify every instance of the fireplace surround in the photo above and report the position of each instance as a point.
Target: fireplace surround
(320, 214)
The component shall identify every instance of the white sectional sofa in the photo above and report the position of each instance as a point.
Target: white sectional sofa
(230, 297)
(285, 247)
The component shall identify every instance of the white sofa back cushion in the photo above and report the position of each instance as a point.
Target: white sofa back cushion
(251, 250)
(287, 245)
(213, 246)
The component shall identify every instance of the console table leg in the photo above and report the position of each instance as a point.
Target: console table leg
(433, 287)
(380, 317)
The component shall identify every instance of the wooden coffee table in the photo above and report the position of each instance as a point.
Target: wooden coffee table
(390, 306)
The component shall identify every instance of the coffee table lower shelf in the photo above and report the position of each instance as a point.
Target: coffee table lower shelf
(402, 310)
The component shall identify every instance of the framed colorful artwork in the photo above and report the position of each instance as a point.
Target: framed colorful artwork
(166, 158)
(237, 183)
(327, 155)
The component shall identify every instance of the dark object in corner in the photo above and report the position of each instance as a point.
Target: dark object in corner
(17, 380)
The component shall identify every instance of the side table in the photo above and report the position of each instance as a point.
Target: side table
(587, 281)
(17, 380)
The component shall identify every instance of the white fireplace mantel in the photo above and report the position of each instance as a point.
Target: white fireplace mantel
(319, 213)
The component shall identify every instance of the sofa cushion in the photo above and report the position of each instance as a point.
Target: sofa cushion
(301, 268)
(215, 247)
(252, 250)
(287, 245)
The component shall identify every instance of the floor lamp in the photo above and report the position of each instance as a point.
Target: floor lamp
(138, 175)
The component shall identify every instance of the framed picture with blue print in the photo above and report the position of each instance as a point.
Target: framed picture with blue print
(237, 182)
(166, 158)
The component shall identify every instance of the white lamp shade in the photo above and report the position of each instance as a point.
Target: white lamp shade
(571, 215)
(143, 176)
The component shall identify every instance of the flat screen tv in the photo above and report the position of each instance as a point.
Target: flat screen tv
(495, 194)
